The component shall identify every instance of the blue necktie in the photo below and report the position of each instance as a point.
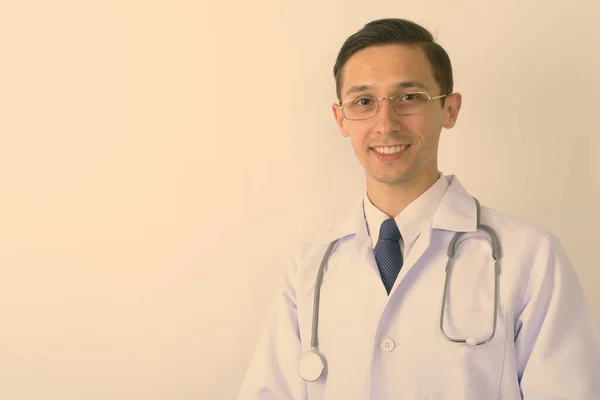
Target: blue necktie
(388, 254)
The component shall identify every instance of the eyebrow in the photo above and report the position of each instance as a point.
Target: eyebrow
(397, 85)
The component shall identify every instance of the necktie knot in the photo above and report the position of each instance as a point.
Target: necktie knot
(389, 230)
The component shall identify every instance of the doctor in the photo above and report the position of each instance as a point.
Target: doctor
(391, 324)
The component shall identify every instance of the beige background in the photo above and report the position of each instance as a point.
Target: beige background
(159, 159)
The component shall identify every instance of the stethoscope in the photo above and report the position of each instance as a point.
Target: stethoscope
(311, 365)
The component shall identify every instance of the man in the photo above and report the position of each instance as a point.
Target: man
(388, 326)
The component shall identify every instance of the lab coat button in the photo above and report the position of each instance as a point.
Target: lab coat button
(387, 344)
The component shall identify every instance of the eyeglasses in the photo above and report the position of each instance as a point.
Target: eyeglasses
(366, 107)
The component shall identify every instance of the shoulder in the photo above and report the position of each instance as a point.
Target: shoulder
(525, 245)
(310, 247)
(514, 228)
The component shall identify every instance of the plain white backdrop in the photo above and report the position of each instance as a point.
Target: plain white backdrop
(160, 159)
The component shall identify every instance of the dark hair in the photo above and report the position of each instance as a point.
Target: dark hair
(397, 31)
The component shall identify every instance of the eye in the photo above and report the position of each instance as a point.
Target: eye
(363, 101)
(410, 97)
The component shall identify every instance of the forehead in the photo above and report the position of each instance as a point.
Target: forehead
(384, 66)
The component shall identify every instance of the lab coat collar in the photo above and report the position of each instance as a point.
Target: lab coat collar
(456, 212)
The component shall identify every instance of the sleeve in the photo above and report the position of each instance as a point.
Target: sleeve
(272, 373)
(557, 342)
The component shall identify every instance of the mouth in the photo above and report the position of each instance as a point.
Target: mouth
(390, 153)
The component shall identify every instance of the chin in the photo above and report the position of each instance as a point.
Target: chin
(392, 180)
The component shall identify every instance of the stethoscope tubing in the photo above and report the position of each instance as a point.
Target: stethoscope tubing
(496, 254)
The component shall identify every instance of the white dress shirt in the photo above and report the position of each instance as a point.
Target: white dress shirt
(411, 221)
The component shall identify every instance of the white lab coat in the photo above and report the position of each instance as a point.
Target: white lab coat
(377, 347)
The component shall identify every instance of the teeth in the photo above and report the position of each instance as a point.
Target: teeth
(389, 150)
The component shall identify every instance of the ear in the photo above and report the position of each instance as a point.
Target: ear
(452, 106)
(339, 119)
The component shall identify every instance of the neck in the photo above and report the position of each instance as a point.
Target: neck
(393, 198)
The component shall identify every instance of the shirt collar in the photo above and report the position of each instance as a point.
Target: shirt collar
(412, 219)
(456, 211)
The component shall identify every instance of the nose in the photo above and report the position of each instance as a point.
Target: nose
(387, 119)
(386, 104)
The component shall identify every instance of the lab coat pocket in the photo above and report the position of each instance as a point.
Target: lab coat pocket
(449, 370)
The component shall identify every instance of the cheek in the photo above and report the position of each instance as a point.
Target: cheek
(357, 143)
(357, 136)
(427, 131)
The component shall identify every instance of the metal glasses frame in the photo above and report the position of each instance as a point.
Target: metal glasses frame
(429, 99)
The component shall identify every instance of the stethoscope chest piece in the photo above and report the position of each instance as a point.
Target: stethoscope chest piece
(310, 366)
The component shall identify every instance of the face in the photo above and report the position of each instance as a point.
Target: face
(390, 70)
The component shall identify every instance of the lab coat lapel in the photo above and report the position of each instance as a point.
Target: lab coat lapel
(456, 212)
(356, 224)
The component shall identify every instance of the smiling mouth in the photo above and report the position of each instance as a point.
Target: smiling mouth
(388, 150)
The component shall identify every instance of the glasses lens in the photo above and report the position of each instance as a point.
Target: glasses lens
(410, 103)
(363, 107)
